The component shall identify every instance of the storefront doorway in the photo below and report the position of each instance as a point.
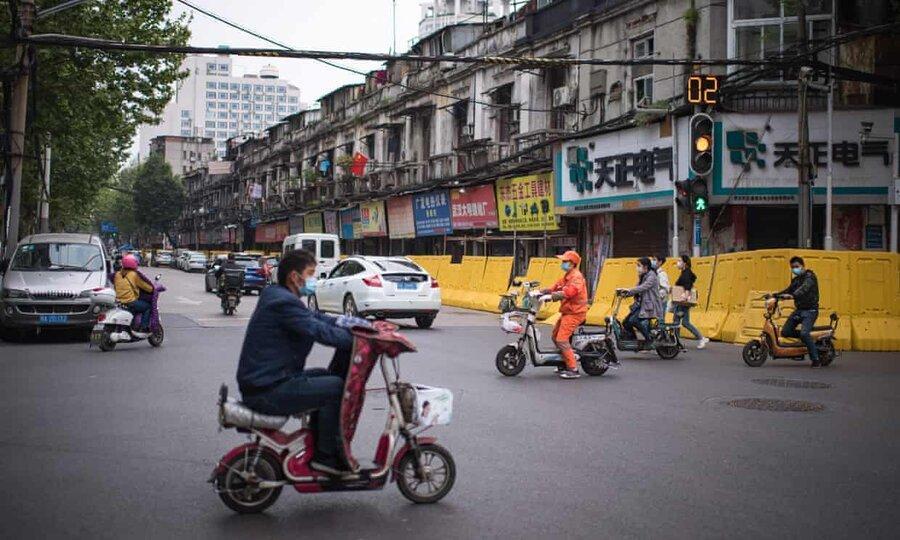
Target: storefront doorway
(641, 234)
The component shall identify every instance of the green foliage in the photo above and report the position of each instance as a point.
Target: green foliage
(159, 196)
(116, 203)
(91, 102)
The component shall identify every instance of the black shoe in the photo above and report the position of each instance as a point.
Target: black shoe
(569, 374)
(330, 465)
(816, 365)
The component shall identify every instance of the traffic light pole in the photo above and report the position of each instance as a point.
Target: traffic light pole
(675, 239)
(804, 191)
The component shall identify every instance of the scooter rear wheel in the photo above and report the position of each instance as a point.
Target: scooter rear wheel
(440, 474)
(755, 353)
(244, 496)
(826, 352)
(106, 343)
(510, 361)
(596, 362)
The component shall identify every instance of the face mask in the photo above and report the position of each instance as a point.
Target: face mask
(654, 264)
(797, 271)
(309, 287)
(566, 266)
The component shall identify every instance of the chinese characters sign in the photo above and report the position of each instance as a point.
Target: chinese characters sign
(331, 222)
(372, 221)
(349, 223)
(432, 213)
(525, 203)
(401, 223)
(312, 223)
(474, 208)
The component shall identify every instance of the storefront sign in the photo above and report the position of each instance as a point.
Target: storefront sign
(331, 222)
(474, 208)
(631, 168)
(372, 220)
(312, 223)
(525, 203)
(432, 213)
(401, 223)
(269, 233)
(758, 154)
(347, 229)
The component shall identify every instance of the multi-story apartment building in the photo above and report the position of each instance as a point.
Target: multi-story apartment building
(437, 14)
(215, 103)
(183, 153)
(498, 159)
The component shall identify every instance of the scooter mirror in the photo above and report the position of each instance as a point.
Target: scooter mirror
(158, 276)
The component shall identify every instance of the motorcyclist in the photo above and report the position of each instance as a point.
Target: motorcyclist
(280, 335)
(229, 264)
(128, 284)
(804, 289)
(647, 304)
(572, 291)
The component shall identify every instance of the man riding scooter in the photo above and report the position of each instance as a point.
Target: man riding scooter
(280, 335)
(571, 290)
(804, 289)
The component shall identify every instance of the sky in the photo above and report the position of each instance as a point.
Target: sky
(341, 25)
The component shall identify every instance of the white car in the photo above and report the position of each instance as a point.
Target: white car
(381, 287)
(196, 262)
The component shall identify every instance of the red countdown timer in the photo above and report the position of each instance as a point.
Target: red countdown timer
(703, 89)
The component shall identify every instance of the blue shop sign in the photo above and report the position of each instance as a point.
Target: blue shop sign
(432, 213)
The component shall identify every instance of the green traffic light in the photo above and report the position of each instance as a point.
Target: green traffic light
(700, 205)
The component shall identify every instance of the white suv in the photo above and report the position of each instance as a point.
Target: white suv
(381, 287)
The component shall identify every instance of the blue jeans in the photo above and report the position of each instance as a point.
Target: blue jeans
(142, 308)
(634, 322)
(683, 317)
(314, 390)
(805, 318)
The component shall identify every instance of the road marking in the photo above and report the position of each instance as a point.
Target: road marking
(183, 300)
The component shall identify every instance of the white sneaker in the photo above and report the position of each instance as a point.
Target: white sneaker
(703, 342)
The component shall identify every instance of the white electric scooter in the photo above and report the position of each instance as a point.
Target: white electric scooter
(115, 325)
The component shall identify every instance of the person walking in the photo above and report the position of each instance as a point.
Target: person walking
(682, 312)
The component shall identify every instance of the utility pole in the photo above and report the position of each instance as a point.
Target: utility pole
(44, 202)
(804, 229)
(19, 108)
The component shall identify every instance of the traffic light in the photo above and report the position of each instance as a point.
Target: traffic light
(683, 190)
(699, 196)
(701, 144)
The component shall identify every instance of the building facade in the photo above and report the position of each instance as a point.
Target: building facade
(493, 159)
(182, 153)
(215, 103)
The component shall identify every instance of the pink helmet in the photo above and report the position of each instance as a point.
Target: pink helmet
(130, 262)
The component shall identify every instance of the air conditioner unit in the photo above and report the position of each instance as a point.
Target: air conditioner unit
(563, 96)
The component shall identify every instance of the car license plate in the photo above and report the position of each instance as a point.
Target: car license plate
(407, 286)
(53, 319)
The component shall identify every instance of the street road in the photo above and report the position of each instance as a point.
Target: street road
(120, 444)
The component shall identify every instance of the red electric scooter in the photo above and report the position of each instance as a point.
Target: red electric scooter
(250, 477)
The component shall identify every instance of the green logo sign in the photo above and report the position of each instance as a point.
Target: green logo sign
(744, 148)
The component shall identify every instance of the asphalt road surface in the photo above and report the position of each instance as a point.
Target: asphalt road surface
(120, 444)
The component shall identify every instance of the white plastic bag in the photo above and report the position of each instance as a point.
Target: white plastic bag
(434, 406)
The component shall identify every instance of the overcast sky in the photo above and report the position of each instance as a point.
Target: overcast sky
(342, 25)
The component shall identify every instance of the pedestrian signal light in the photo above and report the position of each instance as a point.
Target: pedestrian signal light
(683, 191)
(700, 196)
(702, 146)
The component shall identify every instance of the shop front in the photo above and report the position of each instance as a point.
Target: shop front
(268, 236)
(475, 222)
(755, 179)
(373, 228)
(527, 216)
(401, 225)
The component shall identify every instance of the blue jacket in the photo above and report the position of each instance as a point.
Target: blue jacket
(279, 337)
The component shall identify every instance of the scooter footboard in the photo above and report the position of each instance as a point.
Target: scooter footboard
(407, 448)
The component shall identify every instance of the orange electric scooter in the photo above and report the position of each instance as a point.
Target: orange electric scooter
(772, 344)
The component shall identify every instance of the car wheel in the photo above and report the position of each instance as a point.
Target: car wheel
(425, 321)
(350, 307)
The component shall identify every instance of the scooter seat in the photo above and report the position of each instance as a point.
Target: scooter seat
(820, 328)
(233, 413)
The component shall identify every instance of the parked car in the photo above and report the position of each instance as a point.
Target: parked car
(381, 287)
(325, 247)
(253, 276)
(54, 280)
(162, 258)
(196, 262)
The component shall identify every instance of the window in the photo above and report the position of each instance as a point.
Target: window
(234, 86)
(246, 87)
(186, 123)
(210, 124)
(185, 133)
(210, 105)
(245, 106)
(233, 95)
(211, 84)
(270, 118)
(211, 95)
(222, 135)
(235, 106)
(223, 67)
(294, 108)
(643, 90)
(279, 99)
(308, 245)
(223, 114)
(245, 117)
(185, 113)
(223, 105)
(327, 249)
(292, 99)
(270, 99)
(762, 29)
(210, 66)
(270, 88)
(269, 108)
(258, 107)
(282, 89)
(281, 108)
(223, 125)
(223, 95)
(642, 47)
(258, 87)
(223, 86)
(232, 125)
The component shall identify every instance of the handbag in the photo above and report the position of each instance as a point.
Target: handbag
(684, 297)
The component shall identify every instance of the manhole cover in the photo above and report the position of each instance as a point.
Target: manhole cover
(792, 383)
(776, 405)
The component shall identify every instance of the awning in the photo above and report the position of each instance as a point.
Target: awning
(384, 125)
(413, 110)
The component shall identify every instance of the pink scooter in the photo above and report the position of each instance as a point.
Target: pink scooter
(249, 478)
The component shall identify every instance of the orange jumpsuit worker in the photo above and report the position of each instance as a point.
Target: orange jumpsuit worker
(572, 291)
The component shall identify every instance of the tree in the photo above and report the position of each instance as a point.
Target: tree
(159, 197)
(91, 102)
(115, 203)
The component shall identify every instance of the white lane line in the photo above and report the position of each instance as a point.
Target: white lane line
(183, 300)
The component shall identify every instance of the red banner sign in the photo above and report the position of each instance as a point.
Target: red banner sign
(269, 233)
(474, 208)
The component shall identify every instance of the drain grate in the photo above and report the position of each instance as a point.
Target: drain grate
(776, 405)
(792, 383)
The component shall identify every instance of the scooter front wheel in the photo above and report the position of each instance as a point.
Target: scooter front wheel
(826, 352)
(435, 479)
(156, 338)
(755, 353)
(238, 483)
(510, 361)
(106, 342)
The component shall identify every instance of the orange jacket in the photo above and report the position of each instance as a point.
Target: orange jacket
(574, 290)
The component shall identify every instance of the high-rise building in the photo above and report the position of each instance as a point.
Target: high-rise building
(182, 153)
(212, 102)
(437, 14)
